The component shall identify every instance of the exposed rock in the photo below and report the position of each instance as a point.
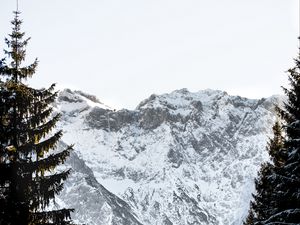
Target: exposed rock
(94, 204)
(180, 158)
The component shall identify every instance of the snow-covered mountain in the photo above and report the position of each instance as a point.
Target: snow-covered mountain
(177, 159)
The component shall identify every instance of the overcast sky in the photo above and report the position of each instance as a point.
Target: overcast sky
(123, 51)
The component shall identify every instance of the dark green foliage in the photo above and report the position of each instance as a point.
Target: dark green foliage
(264, 184)
(28, 158)
(277, 200)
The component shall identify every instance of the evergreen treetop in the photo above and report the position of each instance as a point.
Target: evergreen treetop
(28, 181)
(277, 200)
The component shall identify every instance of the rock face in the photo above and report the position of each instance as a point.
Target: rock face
(94, 204)
(180, 158)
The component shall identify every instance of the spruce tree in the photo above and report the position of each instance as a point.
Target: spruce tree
(277, 200)
(28, 182)
(259, 208)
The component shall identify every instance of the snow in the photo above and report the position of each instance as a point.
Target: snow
(116, 186)
(209, 162)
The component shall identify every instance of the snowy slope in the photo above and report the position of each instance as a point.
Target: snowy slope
(179, 158)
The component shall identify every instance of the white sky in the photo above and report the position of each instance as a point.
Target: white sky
(123, 51)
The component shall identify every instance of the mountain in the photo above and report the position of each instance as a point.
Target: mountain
(177, 159)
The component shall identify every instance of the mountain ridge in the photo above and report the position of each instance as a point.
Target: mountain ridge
(178, 158)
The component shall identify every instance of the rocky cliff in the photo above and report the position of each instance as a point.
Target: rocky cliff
(177, 159)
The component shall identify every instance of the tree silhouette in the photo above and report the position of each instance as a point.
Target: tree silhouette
(28, 154)
(277, 200)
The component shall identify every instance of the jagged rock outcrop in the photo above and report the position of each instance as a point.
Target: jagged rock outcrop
(94, 204)
(177, 159)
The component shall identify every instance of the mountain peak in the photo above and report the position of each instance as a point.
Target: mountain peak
(70, 101)
(180, 158)
(182, 97)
